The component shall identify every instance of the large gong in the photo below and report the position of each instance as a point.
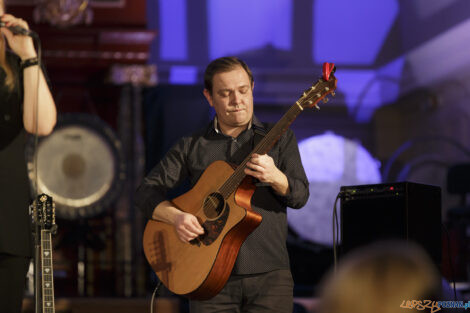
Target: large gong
(80, 165)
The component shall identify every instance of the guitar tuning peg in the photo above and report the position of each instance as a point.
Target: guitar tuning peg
(325, 100)
(316, 106)
(333, 93)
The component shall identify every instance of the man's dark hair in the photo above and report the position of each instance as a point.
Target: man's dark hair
(221, 65)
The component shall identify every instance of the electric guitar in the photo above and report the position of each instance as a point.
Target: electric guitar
(44, 220)
(221, 202)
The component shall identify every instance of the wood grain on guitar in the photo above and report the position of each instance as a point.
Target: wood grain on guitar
(221, 202)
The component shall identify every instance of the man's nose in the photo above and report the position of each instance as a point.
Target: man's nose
(236, 97)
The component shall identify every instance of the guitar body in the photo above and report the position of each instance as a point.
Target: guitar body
(200, 269)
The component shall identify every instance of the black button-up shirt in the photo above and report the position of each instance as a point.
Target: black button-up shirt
(265, 248)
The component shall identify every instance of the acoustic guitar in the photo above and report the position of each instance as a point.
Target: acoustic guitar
(44, 221)
(221, 202)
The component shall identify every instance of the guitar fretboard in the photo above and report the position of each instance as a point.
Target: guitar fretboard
(47, 273)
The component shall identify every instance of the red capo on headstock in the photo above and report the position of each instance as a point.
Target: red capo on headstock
(328, 68)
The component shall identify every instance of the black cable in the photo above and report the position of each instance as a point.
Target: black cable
(452, 273)
(35, 172)
(335, 231)
(154, 296)
(36, 111)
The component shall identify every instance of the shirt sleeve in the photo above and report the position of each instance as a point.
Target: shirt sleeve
(291, 165)
(167, 174)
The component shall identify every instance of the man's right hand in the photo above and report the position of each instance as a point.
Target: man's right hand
(186, 225)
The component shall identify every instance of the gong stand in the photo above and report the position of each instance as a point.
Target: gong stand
(132, 78)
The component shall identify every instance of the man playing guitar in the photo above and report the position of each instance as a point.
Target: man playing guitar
(261, 280)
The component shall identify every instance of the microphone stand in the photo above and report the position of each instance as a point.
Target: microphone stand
(36, 260)
(37, 226)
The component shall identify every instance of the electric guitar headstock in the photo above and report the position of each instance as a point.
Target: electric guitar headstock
(43, 209)
(320, 90)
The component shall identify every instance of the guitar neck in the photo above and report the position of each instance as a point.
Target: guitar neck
(47, 272)
(263, 147)
(309, 98)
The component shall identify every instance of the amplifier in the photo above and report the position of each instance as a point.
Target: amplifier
(392, 211)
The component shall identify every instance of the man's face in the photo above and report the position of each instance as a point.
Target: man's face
(232, 98)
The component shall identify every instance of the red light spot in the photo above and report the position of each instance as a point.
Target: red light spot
(392, 188)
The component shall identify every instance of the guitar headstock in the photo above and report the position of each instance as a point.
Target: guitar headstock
(44, 212)
(323, 87)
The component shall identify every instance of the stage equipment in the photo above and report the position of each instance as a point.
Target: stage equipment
(80, 165)
(401, 211)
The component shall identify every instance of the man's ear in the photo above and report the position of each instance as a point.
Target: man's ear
(208, 96)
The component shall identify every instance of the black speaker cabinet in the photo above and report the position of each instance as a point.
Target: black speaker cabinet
(402, 210)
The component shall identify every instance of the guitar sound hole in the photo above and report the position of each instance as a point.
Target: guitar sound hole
(214, 205)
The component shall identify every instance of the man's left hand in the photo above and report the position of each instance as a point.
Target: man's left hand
(263, 168)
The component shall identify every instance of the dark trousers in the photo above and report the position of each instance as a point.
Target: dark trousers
(267, 292)
(13, 270)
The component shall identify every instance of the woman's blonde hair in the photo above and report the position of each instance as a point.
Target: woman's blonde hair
(379, 278)
(9, 76)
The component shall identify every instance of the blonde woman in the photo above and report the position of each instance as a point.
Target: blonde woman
(19, 94)
(381, 278)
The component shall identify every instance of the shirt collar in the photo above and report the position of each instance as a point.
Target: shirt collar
(216, 126)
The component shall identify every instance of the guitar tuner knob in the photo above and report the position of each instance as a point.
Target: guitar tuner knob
(325, 100)
(317, 107)
(333, 93)
(326, 88)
